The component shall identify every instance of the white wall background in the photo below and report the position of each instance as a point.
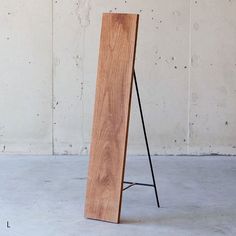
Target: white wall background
(185, 64)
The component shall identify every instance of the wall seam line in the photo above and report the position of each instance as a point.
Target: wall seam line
(52, 61)
(189, 75)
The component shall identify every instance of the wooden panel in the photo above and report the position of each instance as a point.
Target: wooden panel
(111, 116)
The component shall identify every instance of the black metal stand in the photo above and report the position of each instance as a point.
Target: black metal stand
(148, 151)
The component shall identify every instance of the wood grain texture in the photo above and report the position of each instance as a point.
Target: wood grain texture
(111, 116)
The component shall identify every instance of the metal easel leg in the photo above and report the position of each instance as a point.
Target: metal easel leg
(148, 150)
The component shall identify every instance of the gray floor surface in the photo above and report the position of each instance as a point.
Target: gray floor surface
(44, 196)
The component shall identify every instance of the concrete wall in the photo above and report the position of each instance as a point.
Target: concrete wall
(25, 76)
(185, 64)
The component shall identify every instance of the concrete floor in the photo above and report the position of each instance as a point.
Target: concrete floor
(44, 196)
